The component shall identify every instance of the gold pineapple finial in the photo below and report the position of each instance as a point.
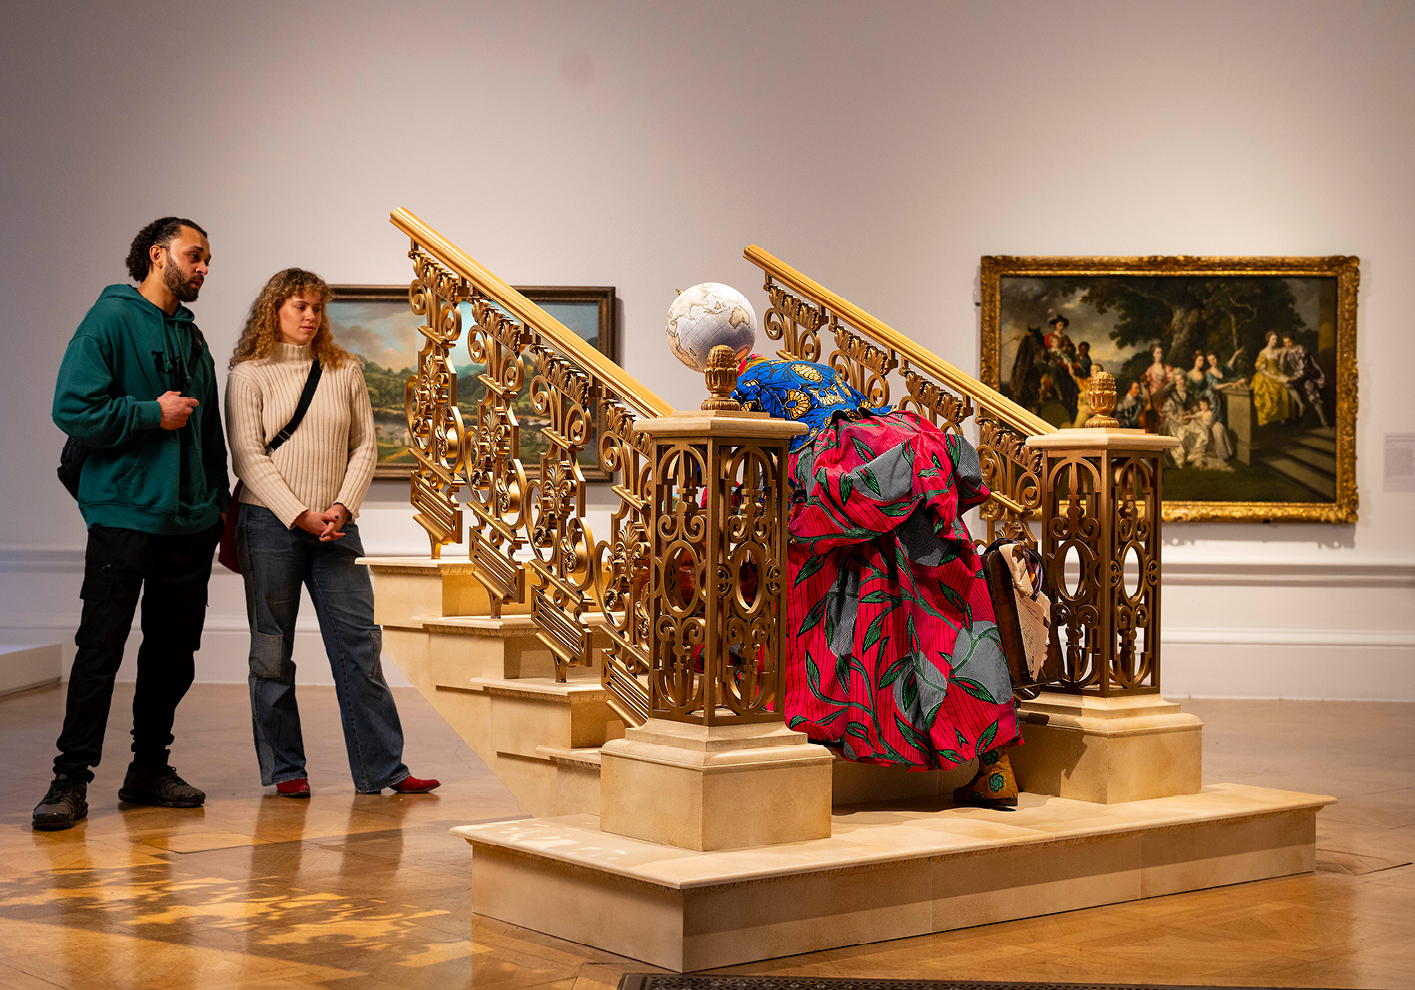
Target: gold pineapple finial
(721, 378)
(1101, 396)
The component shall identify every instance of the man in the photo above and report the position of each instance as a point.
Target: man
(1304, 376)
(1027, 369)
(1060, 356)
(1128, 409)
(1083, 359)
(1057, 339)
(138, 385)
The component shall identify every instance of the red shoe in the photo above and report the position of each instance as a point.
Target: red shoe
(412, 785)
(297, 788)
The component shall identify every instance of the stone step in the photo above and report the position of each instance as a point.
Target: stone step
(586, 757)
(28, 665)
(529, 714)
(884, 872)
(411, 586)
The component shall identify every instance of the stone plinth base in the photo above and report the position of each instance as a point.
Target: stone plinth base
(715, 787)
(1107, 750)
(882, 874)
(26, 665)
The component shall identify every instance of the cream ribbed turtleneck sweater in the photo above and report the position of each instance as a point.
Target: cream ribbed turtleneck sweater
(329, 459)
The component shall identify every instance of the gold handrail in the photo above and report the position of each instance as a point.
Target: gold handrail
(1014, 415)
(568, 342)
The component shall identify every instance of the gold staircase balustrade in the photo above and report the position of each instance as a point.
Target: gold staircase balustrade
(643, 400)
(867, 351)
(586, 398)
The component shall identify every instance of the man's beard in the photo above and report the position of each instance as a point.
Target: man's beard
(177, 282)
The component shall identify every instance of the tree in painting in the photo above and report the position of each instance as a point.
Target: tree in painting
(1229, 317)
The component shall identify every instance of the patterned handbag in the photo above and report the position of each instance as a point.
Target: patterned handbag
(1015, 578)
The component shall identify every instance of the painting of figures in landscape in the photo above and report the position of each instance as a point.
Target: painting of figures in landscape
(1242, 369)
(376, 324)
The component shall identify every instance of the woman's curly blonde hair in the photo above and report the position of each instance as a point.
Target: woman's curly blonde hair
(263, 325)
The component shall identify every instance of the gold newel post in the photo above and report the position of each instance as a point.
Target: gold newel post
(1106, 735)
(714, 767)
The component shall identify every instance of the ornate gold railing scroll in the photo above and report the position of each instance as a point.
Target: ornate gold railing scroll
(874, 357)
(1102, 544)
(528, 540)
(430, 400)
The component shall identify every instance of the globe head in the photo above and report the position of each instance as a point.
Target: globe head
(706, 315)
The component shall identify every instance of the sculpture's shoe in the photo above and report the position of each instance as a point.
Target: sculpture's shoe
(994, 785)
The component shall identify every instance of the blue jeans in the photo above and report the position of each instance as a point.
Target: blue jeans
(275, 561)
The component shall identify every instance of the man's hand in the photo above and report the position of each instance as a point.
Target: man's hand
(176, 408)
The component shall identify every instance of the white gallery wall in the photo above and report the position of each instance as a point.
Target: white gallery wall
(880, 147)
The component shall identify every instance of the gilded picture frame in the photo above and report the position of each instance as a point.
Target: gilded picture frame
(376, 324)
(1250, 362)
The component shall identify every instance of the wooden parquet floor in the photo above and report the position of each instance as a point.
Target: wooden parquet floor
(362, 892)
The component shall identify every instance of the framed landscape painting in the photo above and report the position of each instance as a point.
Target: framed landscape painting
(375, 323)
(1249, 362)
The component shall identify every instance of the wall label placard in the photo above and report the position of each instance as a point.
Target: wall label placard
(1400, 462)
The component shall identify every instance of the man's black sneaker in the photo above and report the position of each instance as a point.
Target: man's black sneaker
(62, 806)
(160, 786)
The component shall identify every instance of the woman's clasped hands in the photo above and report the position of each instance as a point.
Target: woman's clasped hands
(327, 525)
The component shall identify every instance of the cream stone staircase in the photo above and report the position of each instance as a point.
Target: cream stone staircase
(495, 683)
(675, 818)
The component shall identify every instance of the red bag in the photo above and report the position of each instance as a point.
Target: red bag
(226, 557)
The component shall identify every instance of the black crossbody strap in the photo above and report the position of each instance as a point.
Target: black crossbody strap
(306, 397)
(198, 345)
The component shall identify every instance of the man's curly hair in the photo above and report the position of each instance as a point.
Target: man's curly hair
(160, 231)
(263, 324)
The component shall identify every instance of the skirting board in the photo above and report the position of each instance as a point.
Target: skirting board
(1289, 671)
(883, 874)
(222, 659)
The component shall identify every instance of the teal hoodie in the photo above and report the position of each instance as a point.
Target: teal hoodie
(125, 354)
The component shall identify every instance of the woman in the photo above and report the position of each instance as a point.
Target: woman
(1156, 381)
(1218, 452)
(296, 527)
(895, 655)
(1270, 399)
(1215, 383)
(1178, 422)
(1197, 383)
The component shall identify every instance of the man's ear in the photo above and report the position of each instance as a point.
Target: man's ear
(154, 257)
